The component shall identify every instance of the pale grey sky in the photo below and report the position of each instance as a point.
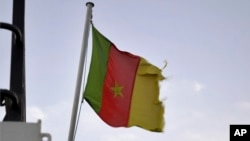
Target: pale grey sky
(205, 42)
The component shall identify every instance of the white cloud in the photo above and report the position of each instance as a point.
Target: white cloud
(120, 137)
(244, 105)
(173, 87)
(198, 86)
(198, 115)
(58, 119)
(193, 136)
(35, 113)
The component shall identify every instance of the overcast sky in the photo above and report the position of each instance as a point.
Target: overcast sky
(205, 42)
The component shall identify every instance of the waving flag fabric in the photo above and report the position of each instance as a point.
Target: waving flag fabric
(122, 88)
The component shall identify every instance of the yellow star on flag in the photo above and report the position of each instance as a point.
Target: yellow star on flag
(117, 90)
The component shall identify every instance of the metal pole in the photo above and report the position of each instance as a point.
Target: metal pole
(17, 77)
(71, 136)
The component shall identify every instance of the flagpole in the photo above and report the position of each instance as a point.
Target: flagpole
(80, 72)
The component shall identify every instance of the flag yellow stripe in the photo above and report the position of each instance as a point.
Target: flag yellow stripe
(146, 110)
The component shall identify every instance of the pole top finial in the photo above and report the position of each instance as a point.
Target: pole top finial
(91, 3)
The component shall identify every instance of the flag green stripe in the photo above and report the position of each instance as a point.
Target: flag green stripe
(98, 69)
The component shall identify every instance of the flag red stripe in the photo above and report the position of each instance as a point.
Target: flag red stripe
(122, 67)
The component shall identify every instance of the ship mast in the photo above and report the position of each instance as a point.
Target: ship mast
(15, 99)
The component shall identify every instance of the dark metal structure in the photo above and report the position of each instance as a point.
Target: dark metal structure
(15, 99)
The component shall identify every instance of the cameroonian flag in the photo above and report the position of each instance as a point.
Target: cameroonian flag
(122, 88)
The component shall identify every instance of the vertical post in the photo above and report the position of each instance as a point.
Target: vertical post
(17, 76)
(80, 72)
